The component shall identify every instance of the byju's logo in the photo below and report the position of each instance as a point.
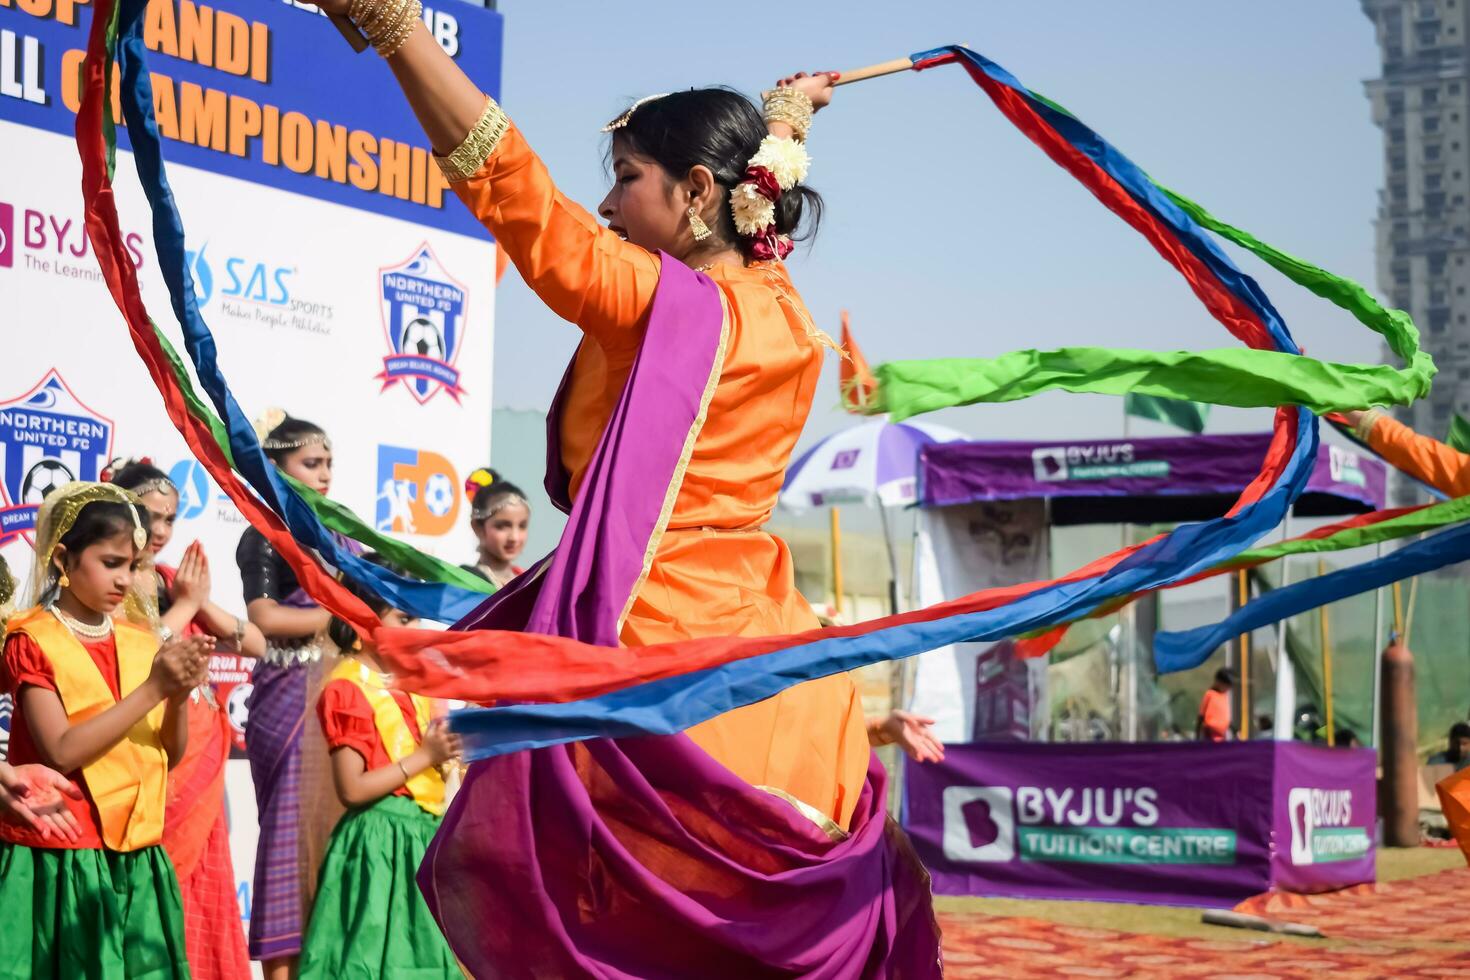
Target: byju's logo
(423, 312)
(1344, 467)
(1321, 826)
(47, 438)
(7, 235)
(418, 492)
(1049, 463)
(194, 488)
(979, 823)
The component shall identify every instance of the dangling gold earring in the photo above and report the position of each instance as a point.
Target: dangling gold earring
(63, 582)
(697, 225)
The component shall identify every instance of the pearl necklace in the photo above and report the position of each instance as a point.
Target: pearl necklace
(81, 629)
(495, 579)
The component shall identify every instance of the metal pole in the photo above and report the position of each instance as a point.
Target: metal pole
(1326, 662)
(1377, 657)
(836, 562)
(1285, 722)
(1245, 661)
(892, 560)
(1128, 674)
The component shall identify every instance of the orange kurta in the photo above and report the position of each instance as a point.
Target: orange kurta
(1426, 459)
(715, 573)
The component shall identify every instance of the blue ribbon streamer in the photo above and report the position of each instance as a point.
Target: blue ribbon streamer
(673, 704)
(428, 600)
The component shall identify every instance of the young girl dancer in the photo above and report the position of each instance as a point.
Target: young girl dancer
(98, 698)
(369, 918)
(196, 833)
(294, 628)
(500, 517)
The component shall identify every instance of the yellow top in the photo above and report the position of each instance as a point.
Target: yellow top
(427, 787)
(129, 782)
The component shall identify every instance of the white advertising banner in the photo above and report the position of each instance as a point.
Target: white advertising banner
(340, 278)
(979, 691)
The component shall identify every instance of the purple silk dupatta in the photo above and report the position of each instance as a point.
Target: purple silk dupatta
(644, 857)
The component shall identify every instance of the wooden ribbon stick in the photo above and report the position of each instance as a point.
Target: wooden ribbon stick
(349, 32)
(875, 71)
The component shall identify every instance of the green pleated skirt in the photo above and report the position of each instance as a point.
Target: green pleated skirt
(369, 919)
(90, 914)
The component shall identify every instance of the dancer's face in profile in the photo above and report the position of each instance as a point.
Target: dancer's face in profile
(312, 465)
(650, 208)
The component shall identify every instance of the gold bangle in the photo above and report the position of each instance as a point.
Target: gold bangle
(792, 107)
(406, 776)
(397, 36)
(1365, 425)
(466, 159)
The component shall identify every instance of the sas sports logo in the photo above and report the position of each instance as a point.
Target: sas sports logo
(195, 490)
(418, 492)
(423, 312)
(47, 438)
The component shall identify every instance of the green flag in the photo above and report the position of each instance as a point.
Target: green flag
(1189, 416)
(1459, 437)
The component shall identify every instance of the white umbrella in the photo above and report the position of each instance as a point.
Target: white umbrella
(875, 463)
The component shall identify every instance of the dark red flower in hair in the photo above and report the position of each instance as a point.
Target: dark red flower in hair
(764, 181)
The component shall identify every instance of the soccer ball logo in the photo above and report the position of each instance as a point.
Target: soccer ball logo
(235, 708)
(45, 476)
(423, 338)
(438, 494)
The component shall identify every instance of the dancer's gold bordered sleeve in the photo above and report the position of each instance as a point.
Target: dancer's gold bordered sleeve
(467, 158)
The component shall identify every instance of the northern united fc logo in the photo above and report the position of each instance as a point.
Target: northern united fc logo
(423, 312)
(47, 438)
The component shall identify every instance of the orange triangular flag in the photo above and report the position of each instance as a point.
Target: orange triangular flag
(502, 262)
(1454, 798)
(853, 377)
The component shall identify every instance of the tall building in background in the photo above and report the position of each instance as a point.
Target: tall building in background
(1422, 104)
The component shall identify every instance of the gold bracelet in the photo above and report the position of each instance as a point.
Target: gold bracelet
(406, 776)
(466, 159)
(1365, 425)
(792, 107)
(370, 15)
(398, 35)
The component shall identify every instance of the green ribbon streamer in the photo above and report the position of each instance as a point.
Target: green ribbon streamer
(1245, 378)
(334, 515)
(1239, 376)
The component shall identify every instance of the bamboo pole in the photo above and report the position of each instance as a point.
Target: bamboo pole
(1245, 662)
(836, 562)
(1398, 611)
(875, 71)
(1326, 637)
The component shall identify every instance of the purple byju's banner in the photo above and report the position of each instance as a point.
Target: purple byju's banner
(963, 472)
(1326, 817)
(1171, 824)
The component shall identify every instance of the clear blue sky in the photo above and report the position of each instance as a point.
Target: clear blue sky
(949, 234)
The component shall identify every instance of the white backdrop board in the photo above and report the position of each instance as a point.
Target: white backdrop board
(960, 550)
(341, 280)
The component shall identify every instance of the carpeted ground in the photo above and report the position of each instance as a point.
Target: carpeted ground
(1415, 926)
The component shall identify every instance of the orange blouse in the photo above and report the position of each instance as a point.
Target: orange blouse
(715, 573)
(1425, 459)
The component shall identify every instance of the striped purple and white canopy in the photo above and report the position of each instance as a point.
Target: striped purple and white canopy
(876, 462)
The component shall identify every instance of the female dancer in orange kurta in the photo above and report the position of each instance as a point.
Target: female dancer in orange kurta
(623, 879)
(675, 160)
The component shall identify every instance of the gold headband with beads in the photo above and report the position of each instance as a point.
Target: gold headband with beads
(627, 115)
